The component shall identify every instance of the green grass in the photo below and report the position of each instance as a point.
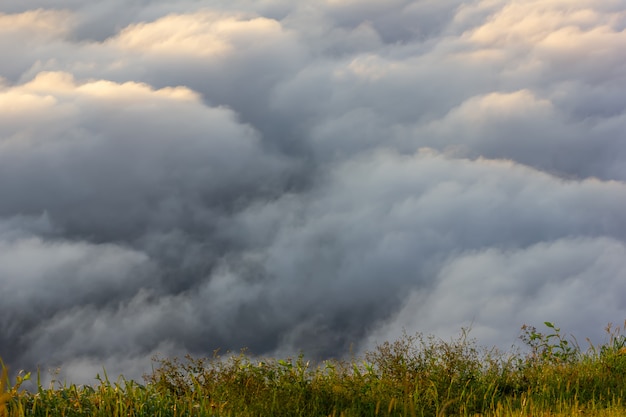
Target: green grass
(413, 376)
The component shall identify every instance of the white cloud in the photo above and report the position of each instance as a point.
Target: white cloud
(40, 24)
(202, 33)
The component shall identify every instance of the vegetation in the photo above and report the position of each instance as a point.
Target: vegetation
(414, 376)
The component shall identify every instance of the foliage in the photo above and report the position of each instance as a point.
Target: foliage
(553, 347)
(414, 376)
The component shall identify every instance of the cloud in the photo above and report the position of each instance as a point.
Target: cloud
(574, 282)
(44, 278)
(104, 155)
(304, 176)
(26, 37)
(529, 129)
(126, 176)
(201, 34)
(40, 23)
(385, 224)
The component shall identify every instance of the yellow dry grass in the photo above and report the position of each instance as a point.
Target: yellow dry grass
(5, 396)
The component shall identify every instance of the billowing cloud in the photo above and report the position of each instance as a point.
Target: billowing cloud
(312, 176)
(575, 280)
(387, 224)
(103, 155)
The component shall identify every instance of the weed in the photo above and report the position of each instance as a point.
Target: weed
(416, 375)
(552, 347)
(10, 393)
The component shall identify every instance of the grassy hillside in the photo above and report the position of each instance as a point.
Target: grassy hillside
(414, 376)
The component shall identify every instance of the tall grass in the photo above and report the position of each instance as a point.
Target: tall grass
(414, 376)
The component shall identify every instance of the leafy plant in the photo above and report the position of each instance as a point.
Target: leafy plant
(551, 347)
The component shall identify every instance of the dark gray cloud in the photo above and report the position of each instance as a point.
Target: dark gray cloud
(309, 176)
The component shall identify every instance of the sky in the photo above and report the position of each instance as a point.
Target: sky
(319, 176)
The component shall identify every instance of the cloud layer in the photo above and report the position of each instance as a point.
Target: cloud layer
(315, 176)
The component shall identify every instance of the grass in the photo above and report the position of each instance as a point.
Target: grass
(413, 376)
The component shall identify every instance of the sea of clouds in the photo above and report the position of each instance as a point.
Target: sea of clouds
(318, 176)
